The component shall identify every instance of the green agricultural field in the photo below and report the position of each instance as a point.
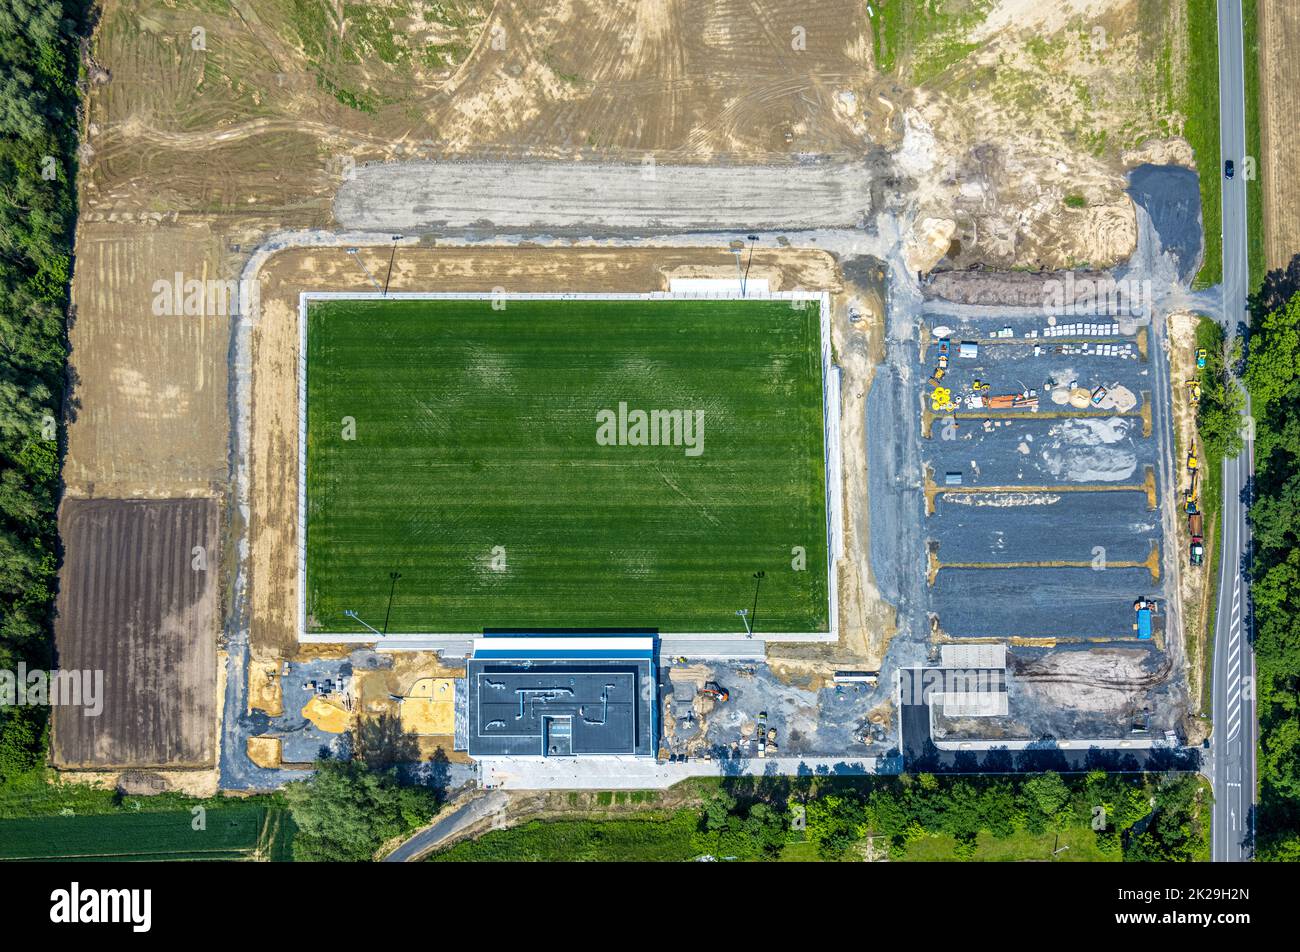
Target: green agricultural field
(476, 469)
(234, 832)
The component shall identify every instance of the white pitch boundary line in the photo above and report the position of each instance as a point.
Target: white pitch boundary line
(831, 447)
(832, 385)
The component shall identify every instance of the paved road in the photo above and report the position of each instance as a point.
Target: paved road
(428, 839)
(1235, 728)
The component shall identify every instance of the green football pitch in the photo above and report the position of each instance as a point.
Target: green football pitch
(483, 455)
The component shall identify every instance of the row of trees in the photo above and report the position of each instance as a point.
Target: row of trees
(1141, 817)
(1134, 817)
(39, 102)
(1218, 417)
(1273, 377)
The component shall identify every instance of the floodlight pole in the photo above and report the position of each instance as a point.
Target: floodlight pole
(745, 280)
(758, 580)
(353, 615)
(391, 258)
(362, 265)
(744, 616)
(392, 588)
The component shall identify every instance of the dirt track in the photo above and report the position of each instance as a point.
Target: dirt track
(1194, 584)
(603, 198)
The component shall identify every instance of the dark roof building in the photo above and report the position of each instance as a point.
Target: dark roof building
(562, 696)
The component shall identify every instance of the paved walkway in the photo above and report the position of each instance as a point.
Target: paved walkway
(646, 774)
(425, 841)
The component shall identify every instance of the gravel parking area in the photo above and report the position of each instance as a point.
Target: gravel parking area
(1040, 520)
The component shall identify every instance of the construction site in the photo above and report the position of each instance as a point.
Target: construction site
(733, 710)
(1008, 474)
(1057, 515)
(1040, 488)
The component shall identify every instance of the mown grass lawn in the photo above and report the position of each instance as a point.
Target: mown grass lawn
(654, 836)
(475, 469)
(802, 852)
(1021, 846)
(667, 837)
(1201, 106)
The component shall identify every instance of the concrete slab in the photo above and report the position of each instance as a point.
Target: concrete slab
(637, 774)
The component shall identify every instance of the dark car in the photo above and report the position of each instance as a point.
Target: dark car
(1228, 169)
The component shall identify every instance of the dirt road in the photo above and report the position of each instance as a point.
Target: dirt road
(609, 198)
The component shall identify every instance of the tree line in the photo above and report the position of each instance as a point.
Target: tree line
(1143, 817)
(1134, 817)
(1218, 415)
(40, 94)
(1273, 378)
(347, 810)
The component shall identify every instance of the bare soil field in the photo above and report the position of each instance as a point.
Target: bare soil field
(379, 711)
(149, 415)
(133, 605)
(1279, 88)
(995, 117)
(271, 118)
(264, 690)
(1102, 669)
(1016, 107)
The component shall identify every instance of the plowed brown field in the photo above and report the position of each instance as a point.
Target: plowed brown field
(133, 605)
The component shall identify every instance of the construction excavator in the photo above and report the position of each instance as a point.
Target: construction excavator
(716, 691)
